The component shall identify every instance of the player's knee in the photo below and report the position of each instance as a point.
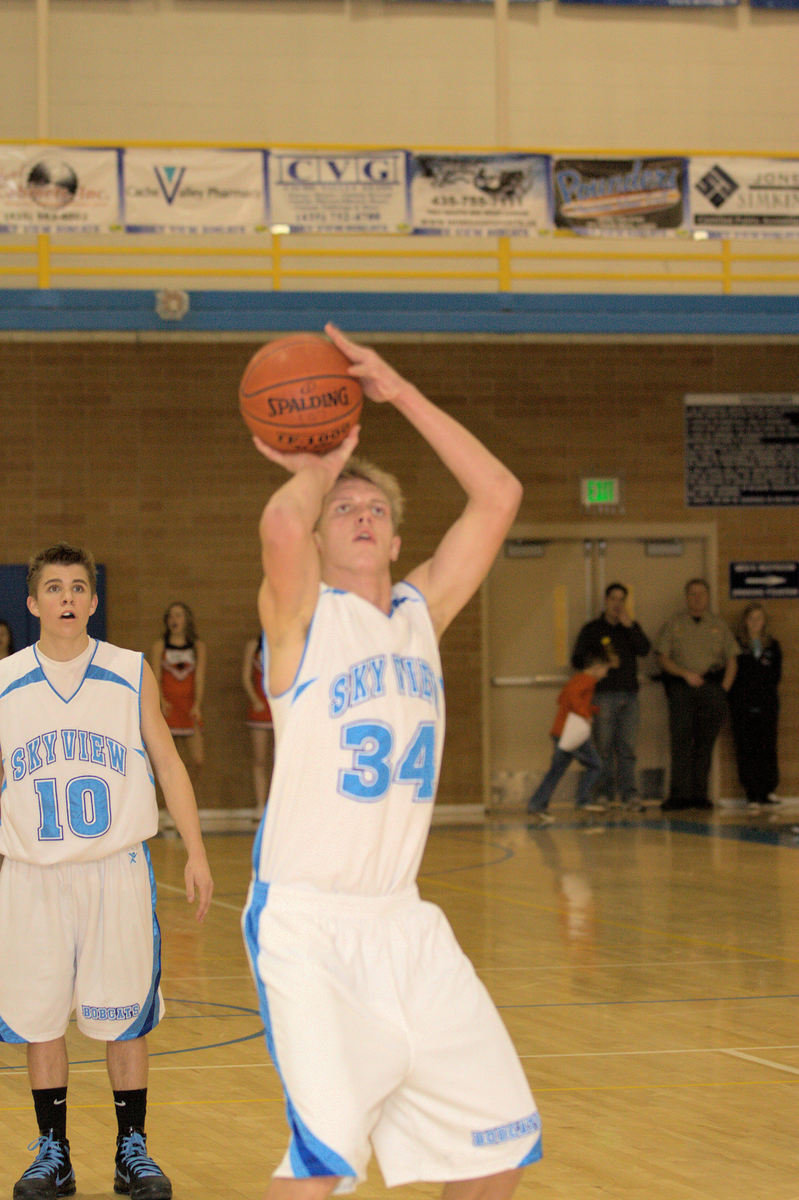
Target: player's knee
(489, 1187)
(317, 1187)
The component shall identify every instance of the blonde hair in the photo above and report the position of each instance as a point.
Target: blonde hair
(742, 632)
(388, 484)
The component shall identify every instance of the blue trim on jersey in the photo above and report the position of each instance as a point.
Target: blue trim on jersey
(150, 1013)
(302, 688)
(36, 675)
(66, 699)
(106, 676)
(309, 1156)
(140, 750)
(420, 596)
(278, 695)
(7, 1034)
(535, 1155)
(256, 846)
(141, 689)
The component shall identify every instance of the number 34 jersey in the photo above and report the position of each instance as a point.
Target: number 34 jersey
(358, 749)
(77, 783)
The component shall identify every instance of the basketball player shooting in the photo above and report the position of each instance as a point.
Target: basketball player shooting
(383, 1036)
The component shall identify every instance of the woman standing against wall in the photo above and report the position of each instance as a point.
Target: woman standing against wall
(178, 661)
(754, 706)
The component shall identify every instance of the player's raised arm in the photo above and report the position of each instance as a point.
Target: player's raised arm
(464, 556)
(289, 554)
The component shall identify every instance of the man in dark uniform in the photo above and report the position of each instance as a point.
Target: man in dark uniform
(616, 696)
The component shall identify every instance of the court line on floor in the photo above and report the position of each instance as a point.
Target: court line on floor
(737, 1051)
(762, 1062)
(658, 1000)
(642, 964)
(172, 887)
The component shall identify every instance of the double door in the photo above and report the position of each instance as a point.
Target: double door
(546, 583)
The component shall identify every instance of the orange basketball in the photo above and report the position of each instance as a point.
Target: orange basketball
(296, 394)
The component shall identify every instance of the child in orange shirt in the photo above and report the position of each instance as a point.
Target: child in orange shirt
(576, 698)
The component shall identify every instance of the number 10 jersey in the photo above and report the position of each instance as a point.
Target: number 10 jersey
(77, 783)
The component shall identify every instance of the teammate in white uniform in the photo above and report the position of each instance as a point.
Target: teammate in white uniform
(80, 725)
(383, 1036)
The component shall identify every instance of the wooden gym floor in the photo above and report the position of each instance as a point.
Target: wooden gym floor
(648, 971)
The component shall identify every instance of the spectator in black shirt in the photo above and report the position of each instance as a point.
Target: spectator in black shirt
(754, 706)
(616, 696)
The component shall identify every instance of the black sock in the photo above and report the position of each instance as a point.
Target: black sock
(51, 1111)
(131, 1109)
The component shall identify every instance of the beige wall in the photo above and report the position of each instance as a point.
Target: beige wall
(413, 74)
(136, 448)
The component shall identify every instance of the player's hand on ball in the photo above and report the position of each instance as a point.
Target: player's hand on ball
(333, 461)
(379, 381)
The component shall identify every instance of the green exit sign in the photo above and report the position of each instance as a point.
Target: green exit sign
(600, 491)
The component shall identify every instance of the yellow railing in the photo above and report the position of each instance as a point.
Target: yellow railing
(559, 262)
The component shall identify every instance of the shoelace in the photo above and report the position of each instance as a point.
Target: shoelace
(134, 1157)
(51, 1154)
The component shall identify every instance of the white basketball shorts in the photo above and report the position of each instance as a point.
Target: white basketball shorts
(80, 936)
(384, 1039)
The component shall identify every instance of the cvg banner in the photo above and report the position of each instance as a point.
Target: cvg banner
(363, 191)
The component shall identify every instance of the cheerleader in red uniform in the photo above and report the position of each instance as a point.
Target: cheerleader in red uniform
(178, 660)
(259, 722)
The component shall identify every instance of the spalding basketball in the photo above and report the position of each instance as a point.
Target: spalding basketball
(296, 394)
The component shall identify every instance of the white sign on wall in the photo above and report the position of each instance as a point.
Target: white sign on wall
(314, 191)
(480, 194)
(745, 197)
(188, 191)
(57, 189)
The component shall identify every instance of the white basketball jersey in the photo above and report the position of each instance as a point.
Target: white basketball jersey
(77, 783)
(358, 750)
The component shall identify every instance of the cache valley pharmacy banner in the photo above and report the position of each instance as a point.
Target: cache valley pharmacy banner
(194, 191)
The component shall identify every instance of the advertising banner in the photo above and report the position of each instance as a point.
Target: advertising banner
(661, 3)
(187, 191)
(619, 195)
(502, 195)
(56, 189)
(745, 197)
(323, 191)
(472, 1)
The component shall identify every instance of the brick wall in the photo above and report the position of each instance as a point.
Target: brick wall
(136, 449)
